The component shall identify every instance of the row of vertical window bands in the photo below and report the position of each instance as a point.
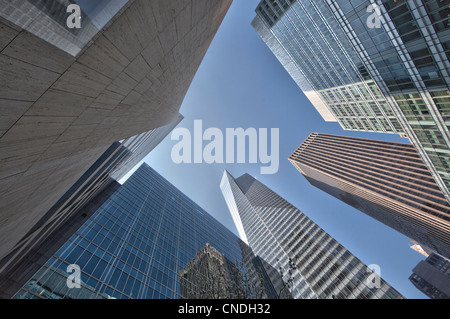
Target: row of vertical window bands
(384, 160)
(378, 188)
(372, 145)
(403, 173)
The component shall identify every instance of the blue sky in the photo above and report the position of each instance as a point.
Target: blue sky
(241, 84)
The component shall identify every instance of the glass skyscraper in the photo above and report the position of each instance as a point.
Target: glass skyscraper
(149, 241)
(378, 65)
(284, 237)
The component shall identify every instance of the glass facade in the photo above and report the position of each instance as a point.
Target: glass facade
(379, 66)
(286, 238)
(47, 19)
(321, 50)
(149, 241)
(112, 165)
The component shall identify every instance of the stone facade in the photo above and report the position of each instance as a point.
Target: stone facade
(59, 113)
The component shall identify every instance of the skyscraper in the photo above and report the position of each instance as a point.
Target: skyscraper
(432, 277)
(149, 241)
(378, 65)
(69, 93)
(210, 275)
(285, 237)
(386, 180)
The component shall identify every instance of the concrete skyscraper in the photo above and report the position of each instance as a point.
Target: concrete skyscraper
(283, 236)
(75, 84)
(147, 240)
(386, 180)
(370, 65)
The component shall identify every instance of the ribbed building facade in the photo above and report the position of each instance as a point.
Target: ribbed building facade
(287, 239)
(378, 65)
(386, 180)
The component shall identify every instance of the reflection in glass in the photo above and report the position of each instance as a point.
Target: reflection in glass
(47, 19)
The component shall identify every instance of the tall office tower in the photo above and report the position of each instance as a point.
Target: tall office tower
(378, 65)
(69, 93)
(432, 277)
(388, 181)
(121, 157)
(285, 237)
(143, 242)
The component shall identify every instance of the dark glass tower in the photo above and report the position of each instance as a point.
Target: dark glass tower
(285, 237)
(388, 181)
(432, 277)
(149, 241)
